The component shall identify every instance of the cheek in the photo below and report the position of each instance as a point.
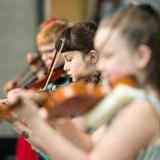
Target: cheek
(50, 56)
(117, 68)
(76, 68)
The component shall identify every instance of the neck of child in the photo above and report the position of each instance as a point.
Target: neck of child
(152, 91)
(90, 71)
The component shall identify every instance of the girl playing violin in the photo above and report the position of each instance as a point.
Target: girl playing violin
(78, 53)
(128, 44)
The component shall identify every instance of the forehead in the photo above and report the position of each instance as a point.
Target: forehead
(110, 39)
(47, 46)
(72, 53)
(101, 38)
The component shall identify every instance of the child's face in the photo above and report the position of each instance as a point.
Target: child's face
(115, 58)
(74, 63)
(48, 52)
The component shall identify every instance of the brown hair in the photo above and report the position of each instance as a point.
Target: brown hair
(48, 33)
(80, 38)
(140, 25)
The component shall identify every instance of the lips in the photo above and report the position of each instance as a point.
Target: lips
(70, 75)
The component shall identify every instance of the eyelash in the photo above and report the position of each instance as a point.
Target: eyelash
(69, 60)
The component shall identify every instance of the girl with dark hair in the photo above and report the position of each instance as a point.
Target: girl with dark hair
(78, 51)
(80, 61)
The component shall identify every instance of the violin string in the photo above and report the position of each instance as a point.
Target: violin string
(18, 78)
(35, 79)
(22, 74)
(30, 76)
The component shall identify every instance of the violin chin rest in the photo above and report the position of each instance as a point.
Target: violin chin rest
(112, 104)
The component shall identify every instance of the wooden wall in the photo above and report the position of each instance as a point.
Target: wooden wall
(73, 10)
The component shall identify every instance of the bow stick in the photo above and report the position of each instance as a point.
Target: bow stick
(46, 81)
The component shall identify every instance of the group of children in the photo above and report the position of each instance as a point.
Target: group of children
(125, 43)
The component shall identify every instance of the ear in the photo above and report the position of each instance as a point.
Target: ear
(92, 56)
(143, 56)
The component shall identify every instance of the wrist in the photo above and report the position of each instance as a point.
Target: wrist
(14, 123)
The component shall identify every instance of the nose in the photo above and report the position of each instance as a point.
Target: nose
(66, 68)
(44, 57)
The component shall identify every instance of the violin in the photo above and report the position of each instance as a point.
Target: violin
(59, 73)
(50, 76)
(74, 99)
(77, 98)
(35, 65)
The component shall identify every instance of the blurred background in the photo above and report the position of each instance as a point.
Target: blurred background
(19, 20)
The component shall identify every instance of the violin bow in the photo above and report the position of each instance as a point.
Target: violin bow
(31, 75)
(27, 69)
(22, 74)
(46, 81)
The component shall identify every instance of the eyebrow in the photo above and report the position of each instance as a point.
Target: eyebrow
(66, 55)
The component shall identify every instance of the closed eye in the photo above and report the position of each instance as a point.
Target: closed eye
(108, 55)
(69, 60)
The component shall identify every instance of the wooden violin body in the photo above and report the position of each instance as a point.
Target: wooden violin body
(59, 73)
(35, 65)
(76, 99)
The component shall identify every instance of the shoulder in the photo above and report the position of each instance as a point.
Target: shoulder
(133, 129)
(141, 121)
(142, 109)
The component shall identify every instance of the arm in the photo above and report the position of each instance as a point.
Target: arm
(73, 130)
(67, 129)
(27, 133)
(70, 131)
(10, 85)
(120, 142)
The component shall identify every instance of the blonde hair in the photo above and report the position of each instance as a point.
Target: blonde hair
(140, 25)
(48, 33)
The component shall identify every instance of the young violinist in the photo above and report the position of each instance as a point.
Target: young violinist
(78, 51)
(77, 55)
(128, 47)
(47, 34)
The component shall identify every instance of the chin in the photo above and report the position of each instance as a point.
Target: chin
(73, 79)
